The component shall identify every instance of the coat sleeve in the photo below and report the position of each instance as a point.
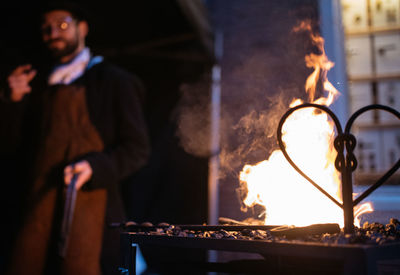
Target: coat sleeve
(131, 147)
(11, 119)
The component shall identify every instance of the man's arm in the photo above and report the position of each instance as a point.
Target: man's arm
(132, 147)
(12, 107)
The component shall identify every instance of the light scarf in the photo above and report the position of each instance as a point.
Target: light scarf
(67, 73)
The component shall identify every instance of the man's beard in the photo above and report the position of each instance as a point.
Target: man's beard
(70, 47)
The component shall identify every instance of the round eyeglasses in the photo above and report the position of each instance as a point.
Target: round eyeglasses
(61, 24)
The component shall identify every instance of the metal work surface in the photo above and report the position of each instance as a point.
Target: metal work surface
(263, 247)
(355, 258)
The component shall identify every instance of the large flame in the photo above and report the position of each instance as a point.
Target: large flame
(308, 136)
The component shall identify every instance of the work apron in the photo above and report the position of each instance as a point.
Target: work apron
(66, 135)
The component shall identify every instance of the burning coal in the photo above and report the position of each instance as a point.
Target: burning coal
(370, 234)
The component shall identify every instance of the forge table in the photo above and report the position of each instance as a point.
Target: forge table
(305, 257)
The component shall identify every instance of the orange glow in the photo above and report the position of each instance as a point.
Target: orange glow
(308, 135)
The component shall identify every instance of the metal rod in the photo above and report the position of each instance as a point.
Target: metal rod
(275, 230)
(68, 216)
(138, 227)
(346, 166)
(347, 196)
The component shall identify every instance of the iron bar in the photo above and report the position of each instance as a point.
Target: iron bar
(138, 227)
(285, 230)
(68, 216)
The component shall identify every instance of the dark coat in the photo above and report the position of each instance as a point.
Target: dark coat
(98, 118)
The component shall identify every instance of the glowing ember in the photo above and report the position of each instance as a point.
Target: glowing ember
(308, 135)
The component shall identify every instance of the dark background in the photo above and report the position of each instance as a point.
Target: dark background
(159, 41)
(168, 45)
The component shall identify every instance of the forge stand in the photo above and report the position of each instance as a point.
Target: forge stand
(288, 257)
(278, 257)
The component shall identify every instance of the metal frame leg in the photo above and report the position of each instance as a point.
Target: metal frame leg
(128, 252)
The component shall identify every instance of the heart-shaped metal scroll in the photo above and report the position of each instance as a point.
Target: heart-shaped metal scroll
(283, 149)
(342, 139)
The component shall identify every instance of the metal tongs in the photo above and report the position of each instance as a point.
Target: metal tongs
(68, 216)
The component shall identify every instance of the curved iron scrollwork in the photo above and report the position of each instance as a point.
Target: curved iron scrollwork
(346, 164)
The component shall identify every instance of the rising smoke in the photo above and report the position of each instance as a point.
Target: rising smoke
(193, 117)
(263, 69)
(247, 132)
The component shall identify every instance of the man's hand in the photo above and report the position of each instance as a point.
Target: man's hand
(18, 82)
(84, 171)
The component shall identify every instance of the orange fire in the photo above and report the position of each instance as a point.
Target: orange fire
(308, 136)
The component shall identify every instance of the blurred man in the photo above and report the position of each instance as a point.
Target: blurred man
(79, 119)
